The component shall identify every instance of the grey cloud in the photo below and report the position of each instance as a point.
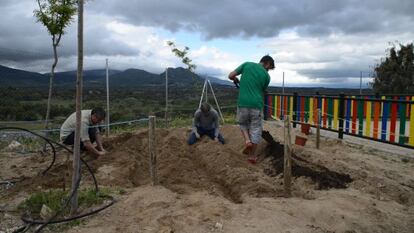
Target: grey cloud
(23, 39)
(336, 75)
(264, 18)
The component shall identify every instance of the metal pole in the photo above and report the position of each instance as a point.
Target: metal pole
(202, 93)
(215, 99)
(283, 85)
(107, 100)
(207, 92)
(166, 97)
(360, 83)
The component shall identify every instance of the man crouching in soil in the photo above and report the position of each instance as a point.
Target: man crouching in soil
(205, 122)
(88, 133)
(253, 83)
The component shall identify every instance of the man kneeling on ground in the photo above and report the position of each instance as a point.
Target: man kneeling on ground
(88, 133)
(206, 122)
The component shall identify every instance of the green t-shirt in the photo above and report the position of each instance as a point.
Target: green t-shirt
(253, 82)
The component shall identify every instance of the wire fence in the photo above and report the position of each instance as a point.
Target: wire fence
(24, 142)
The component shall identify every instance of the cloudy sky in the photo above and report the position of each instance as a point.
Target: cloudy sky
(314, 42)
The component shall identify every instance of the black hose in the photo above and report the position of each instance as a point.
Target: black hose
(47, 140)
(31, 222)
(27, 220)
(23, 229)
(51, 142)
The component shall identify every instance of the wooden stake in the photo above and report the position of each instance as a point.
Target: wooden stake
(152, 155)
(318, 129)
(287, 168)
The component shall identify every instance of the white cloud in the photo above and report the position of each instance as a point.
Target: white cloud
(213, 61)
(337, 55)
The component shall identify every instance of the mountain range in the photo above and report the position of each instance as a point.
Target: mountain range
(132, 78)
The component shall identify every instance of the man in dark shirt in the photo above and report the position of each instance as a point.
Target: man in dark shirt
(206, 122)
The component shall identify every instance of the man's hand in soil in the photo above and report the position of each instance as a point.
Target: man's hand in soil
(89, 147)
(197, 135)
(103, 150)
(101, 153)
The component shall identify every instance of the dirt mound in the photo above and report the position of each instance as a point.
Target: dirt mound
(324, 177)
(202, 186)
(207, 165)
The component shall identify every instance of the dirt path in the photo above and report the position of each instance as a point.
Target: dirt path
(210, 187)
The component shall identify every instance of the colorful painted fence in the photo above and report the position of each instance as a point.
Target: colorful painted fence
(388, 119)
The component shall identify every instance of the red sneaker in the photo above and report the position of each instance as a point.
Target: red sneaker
(252, 160)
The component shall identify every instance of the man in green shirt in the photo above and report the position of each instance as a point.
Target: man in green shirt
(253, 83)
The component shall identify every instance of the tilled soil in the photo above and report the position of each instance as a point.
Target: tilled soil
(209, 187)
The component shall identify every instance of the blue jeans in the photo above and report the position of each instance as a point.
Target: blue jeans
(192, 139)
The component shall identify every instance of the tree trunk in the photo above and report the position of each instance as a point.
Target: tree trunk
(52, 76)
(49, 98)
(79, 81)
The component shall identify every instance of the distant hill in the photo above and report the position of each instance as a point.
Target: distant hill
(215, 80)
(134, 78)
(181, 77)
(89, 76)
(130, 78)
(18, 78)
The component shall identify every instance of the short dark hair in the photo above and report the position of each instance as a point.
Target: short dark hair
(268, 60)
(205, 107)
(99, 112)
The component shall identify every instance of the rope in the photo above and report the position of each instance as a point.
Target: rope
(94, 126)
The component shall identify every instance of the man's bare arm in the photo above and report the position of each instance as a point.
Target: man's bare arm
(233, 75)
(99, 141)
(89, 147)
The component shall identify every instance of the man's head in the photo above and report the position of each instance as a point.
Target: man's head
(205, 108)
(97, 115)
(268, 62)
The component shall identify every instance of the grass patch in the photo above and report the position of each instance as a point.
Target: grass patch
(54, 199)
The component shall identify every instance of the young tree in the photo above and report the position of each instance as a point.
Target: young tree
(395, 74)
(79, 86)
(55, 15)
(182, 54)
